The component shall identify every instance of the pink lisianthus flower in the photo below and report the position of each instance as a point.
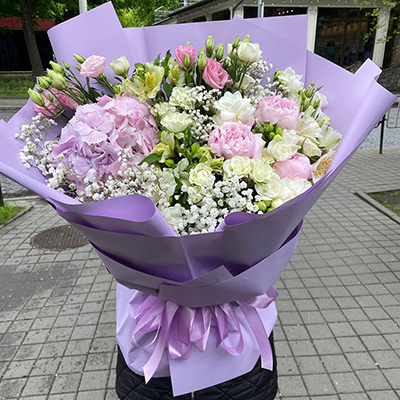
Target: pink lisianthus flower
(214, 74)
(235, 139)
(297, 166)
(52, 103)
(93, 66)
(90, 143)
(185, 50)
(278, 110)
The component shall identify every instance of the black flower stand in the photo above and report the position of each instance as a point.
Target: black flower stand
(258, 384)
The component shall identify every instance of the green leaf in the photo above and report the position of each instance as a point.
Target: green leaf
(151, 158)
(157, 60)
(168, 89)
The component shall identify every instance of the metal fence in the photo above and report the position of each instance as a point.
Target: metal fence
(391, 120)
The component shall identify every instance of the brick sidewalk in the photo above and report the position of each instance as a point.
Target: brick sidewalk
(337, 337)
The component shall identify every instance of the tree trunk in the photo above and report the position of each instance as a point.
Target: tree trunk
(27, 8)
(1, 198)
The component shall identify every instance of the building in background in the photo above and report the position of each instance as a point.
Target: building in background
(336, 28)
(13, 52)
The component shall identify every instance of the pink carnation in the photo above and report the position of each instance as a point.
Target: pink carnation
(185, 50)
(93, 66)
(235, 139)
(92, 139)
(297, 166)
(278, 110)
(214, 74)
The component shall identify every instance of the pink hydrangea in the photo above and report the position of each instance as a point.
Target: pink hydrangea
(54, 104)
(278, 110)
(214, 74)
(185, 50)
(235, 139)
(297, 166)
(92, 139)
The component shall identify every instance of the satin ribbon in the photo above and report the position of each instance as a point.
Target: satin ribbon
(179, 328)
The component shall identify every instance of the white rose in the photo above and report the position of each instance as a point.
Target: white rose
(232, 107)
(260, 171)
(173, 215)
(237, 165)
(249, 52)
(180, 97)
(330, 138)
(281, 150)
(201, 175)
(176, 122)
(274, 189)
(310, 149)
(120, 66)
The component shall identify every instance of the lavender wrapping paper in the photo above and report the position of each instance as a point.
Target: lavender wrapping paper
(246, 255)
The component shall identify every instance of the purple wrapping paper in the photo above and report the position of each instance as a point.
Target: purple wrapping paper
(248, 252)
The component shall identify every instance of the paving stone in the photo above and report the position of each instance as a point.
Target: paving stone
(66, 383)
(19, 369)
(292, 386)
(373, 380)
(38, 385)
(346, 382)
(94, 380)
(319, 384)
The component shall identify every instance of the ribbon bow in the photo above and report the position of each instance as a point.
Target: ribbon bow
(179, 328)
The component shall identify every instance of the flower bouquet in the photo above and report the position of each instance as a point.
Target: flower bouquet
(189, 167)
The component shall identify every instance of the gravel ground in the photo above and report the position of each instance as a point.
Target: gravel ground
(391, 139)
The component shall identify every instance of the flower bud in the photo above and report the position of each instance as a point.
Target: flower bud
(187, 62)
(262, 206)
(210, 46)
(195, 147)
(79, 58)
(36, 97)
(57, 80)
(279, 131)
(66, 66)
(235, 44)
(57, 68)
(246, 39)
(169, 163)
(202, 62)
(219, 52)
(44, 82)
(120, 67)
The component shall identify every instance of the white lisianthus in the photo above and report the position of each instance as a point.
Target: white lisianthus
(120, 66)
(260, 171)
(249, 52)
(320, 168)
(237, 166)
(323, 102)
(232, 107)
(201, 175)
(297, 186)
(246, 84)
(176, 121)
(310, 149)
(308, 127)
(173, 215)
(290, 81)
(276, 188)
(167, 183)
(162, 108)
(284, 149)
(181, 97)
(330, 138)
(289, 136)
